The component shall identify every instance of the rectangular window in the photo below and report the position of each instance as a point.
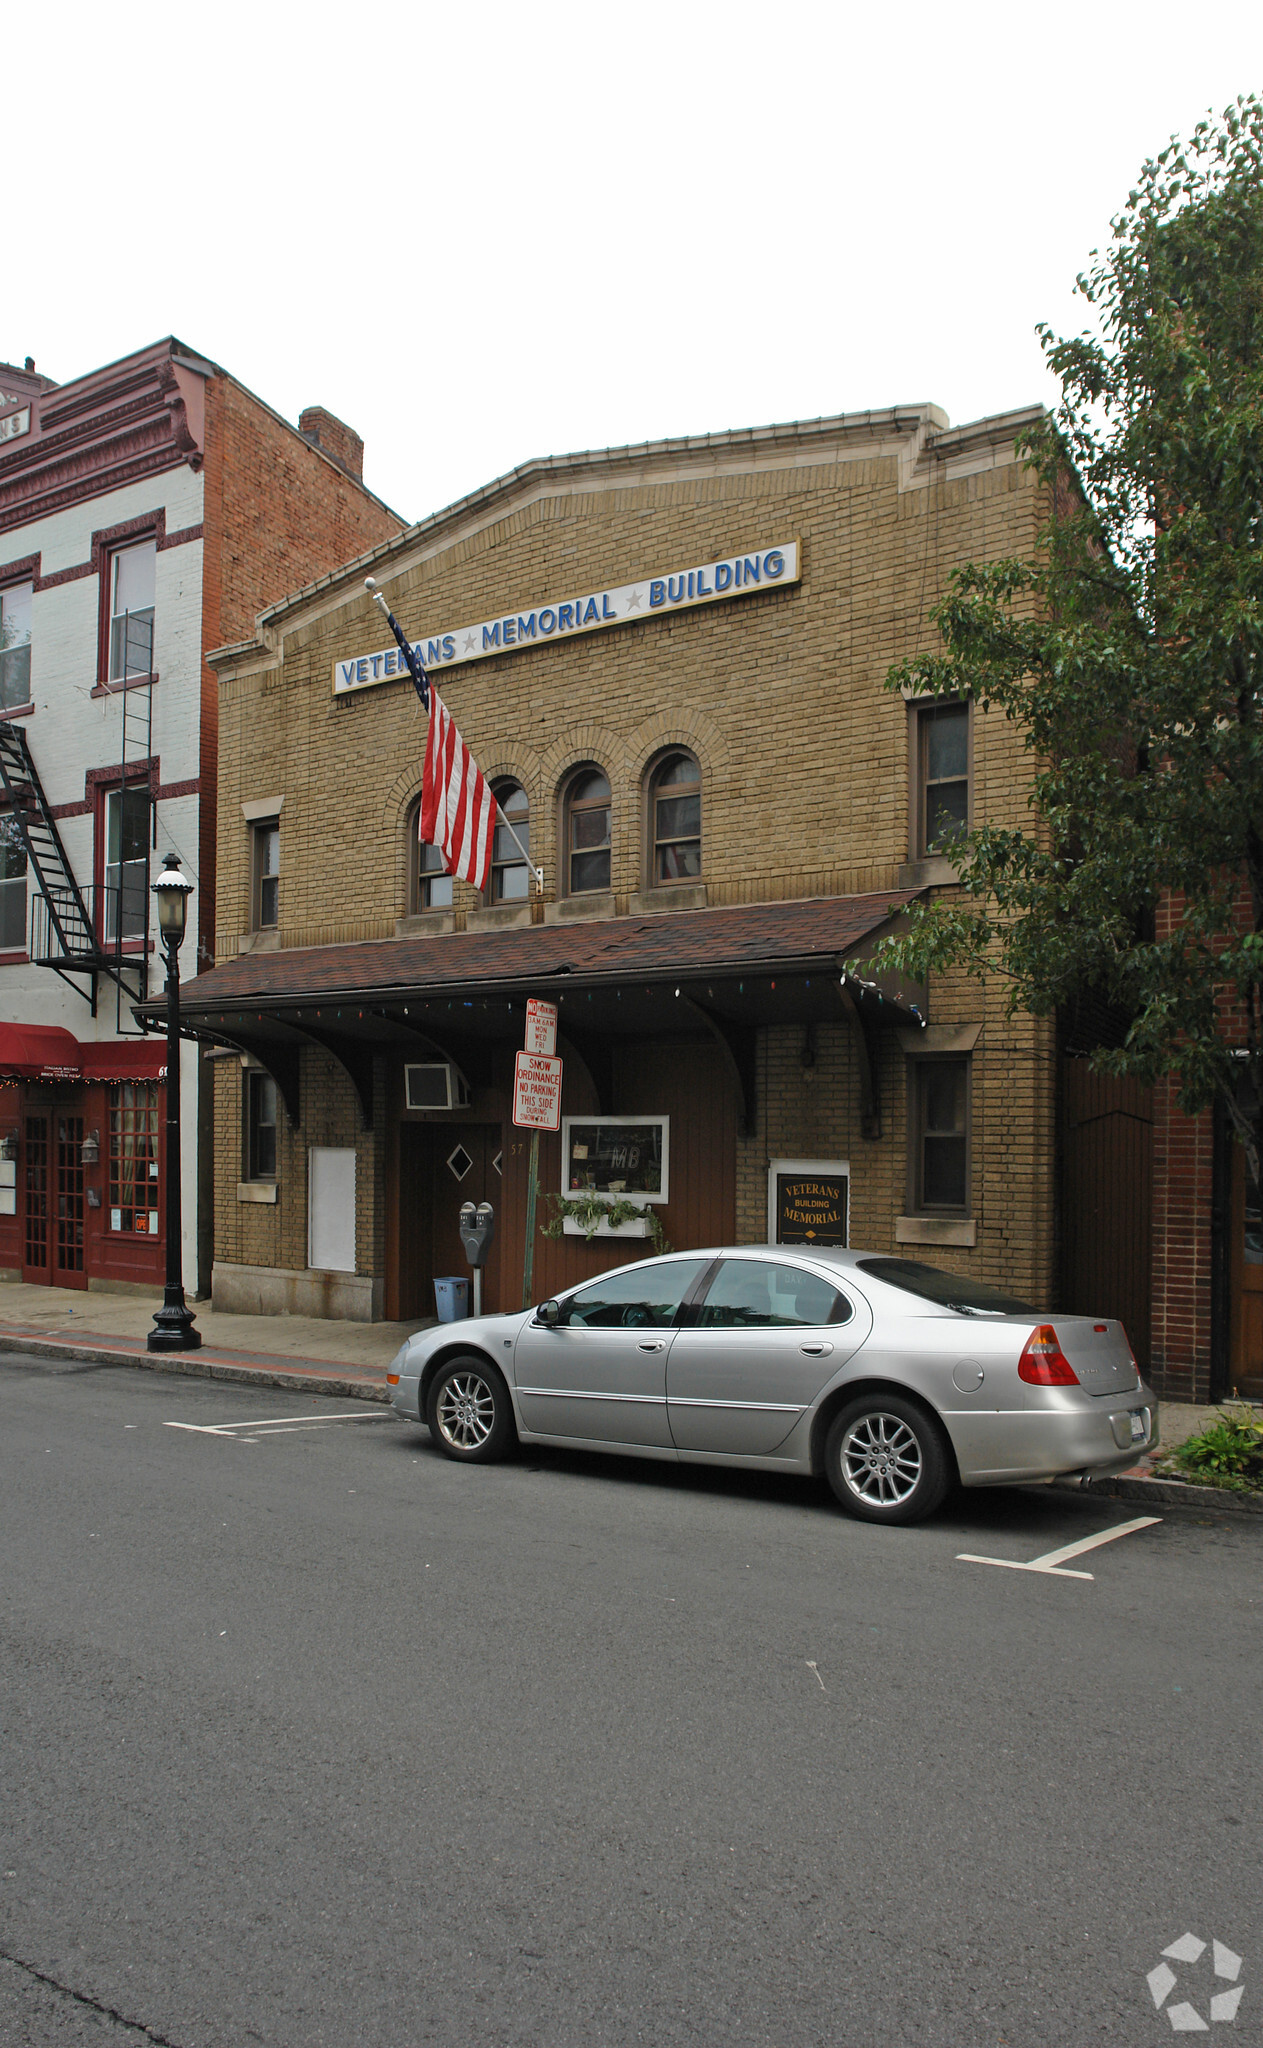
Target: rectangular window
(126, 863)
(622, 1157)
(133, 1196)
(260, 1123)
(132, 577)
(267, 875)
(12, 885)
(942, 753)
(939, 1122)
(15, 645)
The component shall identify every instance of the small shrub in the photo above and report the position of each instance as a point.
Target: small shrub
(1229, 1453)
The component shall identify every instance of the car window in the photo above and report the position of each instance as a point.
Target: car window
(949, 1290)
(756, 1294)
(648, 1295)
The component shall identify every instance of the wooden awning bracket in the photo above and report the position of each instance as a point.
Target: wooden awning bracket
(868, 1055)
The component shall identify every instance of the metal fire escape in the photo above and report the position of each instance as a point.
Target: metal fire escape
(85, 934)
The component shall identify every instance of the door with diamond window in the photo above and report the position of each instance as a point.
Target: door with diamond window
(442, 1166)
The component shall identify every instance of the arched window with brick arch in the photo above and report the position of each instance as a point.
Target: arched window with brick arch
(586, 835)
(510, 873)
(675, 818)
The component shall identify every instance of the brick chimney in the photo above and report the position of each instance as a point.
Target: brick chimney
(333, 438)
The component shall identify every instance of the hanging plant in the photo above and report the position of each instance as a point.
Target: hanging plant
(591, 1211)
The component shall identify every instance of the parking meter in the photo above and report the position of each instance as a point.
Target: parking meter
(477, 1228)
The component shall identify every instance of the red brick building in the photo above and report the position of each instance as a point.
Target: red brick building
(148, 511)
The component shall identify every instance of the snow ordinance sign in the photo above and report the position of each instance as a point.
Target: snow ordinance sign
(536, 1092)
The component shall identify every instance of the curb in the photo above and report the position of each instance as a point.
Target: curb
(1172, 1493)
(305, 1376)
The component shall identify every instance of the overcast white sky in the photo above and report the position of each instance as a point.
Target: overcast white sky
(485, 232)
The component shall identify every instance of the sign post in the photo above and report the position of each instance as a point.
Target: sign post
(536, 1107)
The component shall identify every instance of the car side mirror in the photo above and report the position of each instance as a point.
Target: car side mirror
(548, 1313)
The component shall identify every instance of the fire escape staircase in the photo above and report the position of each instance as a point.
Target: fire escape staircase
(64, 934)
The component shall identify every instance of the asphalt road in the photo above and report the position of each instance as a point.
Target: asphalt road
(315, 1740)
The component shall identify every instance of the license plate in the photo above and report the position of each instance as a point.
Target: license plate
(1138, 1426)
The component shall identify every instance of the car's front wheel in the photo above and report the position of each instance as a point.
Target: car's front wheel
(886, 1460)
(469, 1412)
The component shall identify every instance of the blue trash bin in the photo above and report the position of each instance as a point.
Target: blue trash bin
(451, 1298)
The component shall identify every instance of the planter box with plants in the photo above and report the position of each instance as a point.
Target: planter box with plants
(593, 1216)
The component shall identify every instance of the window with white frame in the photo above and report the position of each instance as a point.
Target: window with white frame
(132, 577)
(15, 645)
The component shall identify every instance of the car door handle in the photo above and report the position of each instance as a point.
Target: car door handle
(652, 1344)
(816, 1350)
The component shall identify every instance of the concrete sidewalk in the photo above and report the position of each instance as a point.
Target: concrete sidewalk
(311, 1353)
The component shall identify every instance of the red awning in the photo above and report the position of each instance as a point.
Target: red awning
(39, 1052)
(125, 1059)
(46, 1052)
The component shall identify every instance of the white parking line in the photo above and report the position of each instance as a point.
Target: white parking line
(280, 1426)
(1051, 1562)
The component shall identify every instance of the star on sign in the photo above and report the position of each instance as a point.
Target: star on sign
(633, 602)
(469, 643)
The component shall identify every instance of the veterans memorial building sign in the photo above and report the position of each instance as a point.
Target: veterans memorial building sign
(678, 590)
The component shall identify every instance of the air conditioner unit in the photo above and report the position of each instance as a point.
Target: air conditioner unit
(439, 1085)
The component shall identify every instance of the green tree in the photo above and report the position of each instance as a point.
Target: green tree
(1130, 654)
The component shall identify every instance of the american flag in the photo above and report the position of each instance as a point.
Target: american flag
(458, 811)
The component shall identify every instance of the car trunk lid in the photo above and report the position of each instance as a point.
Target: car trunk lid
(1098, 1353)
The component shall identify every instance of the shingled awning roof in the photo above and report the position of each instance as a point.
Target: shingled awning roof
(725, 971)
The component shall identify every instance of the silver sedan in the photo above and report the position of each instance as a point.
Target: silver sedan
(890, 1377)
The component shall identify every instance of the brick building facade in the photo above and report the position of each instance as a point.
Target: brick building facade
(615, 696)
(147, 511)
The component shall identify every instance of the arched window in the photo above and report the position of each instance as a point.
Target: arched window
(429, 888)
(675, 819)
(588, 832)
(510, 875)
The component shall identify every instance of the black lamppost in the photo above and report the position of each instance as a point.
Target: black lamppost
(173, 1324)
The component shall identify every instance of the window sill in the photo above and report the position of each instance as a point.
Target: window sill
(112, 689)
(936, 1230)
(266, 940)
(931, 873)
(495, 916)
(17, 711)
(14, 959)
(256, 1190)
(425, 924)
(593, 903)
(668, 896)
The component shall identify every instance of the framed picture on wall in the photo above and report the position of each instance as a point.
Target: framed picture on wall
(624, 1157)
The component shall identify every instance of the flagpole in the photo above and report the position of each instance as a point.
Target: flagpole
(410, 656)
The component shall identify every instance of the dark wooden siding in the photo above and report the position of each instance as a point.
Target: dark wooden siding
(1106, 1199)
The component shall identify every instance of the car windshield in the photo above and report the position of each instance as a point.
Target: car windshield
(949, 1290)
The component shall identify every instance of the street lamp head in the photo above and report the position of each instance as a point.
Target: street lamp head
(172, 889)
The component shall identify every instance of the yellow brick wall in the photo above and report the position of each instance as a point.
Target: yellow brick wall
(804, 763)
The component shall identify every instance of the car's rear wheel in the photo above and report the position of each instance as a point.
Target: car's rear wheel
(886, 1460)
(469, 1412)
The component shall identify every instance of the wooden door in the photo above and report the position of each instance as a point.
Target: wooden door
(1245, 1269)
(36, 1202)
(442, 1166)
(68, 1263)
(1106, 1206)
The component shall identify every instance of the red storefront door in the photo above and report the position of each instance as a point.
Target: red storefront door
(36, 1202)
(53, 1201)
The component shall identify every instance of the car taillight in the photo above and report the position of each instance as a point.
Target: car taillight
(1043, 1362)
